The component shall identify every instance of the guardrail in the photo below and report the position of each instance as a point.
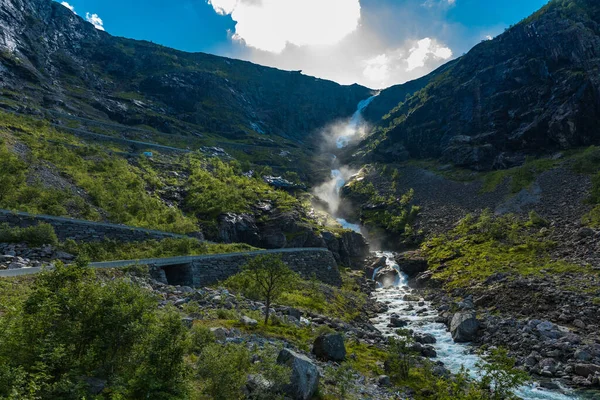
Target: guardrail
(162, 262)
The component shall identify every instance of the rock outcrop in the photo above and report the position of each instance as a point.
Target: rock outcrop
(304, 380)
(464, 327)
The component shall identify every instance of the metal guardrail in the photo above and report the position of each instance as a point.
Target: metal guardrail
(163, 262)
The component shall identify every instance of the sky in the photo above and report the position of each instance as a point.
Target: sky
(376, 43)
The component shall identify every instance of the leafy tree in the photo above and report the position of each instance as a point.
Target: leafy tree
(499, 376)
(265, 278)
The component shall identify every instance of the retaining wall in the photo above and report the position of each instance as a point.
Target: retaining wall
(80, 230)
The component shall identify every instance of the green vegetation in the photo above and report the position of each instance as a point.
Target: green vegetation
(309, 295)
(216, 187)
(69, 329)
(34, 235)
(520, 177)
(126, 199)
(388, 212)
(108, 250)
(265, 278)
(480, 247)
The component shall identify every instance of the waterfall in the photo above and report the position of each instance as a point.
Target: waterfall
(356, 122)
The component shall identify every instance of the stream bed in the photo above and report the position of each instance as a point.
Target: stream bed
(422, 318)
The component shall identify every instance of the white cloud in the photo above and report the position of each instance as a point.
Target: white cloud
(70, 7)
(377, 68)
(95, 20)
(270, 25)
(424, 50)
(488, 37)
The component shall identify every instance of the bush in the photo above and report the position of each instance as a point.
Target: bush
(38, 235)
(223, 370)
(69, 327)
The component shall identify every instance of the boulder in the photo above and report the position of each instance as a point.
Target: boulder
(386, 276)
(411, 263)
(237, 228)
(425, 338)
(586, 370)
(396, 322)
(464, 326)
(330, 347)
(247, 321)
(377, 264)
(304, 380)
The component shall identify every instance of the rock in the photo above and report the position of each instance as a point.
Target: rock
(247, 321)
(424, 350)
(586, 232)
(464, 326)
(586, 370)
(330, 347)
(579, 324)
(294, 312)
(386, 276)
(411, 263)
(425, 338)
(220, 333)
(256, 384)
(582, 355)
(378, 264)
(305, 377)
(384, 380)
(396, 322)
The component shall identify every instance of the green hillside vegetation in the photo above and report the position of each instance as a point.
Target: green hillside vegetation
(479, 247)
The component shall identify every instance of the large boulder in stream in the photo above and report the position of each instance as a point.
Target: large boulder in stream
(464, 326)
(386, 276)
(411, 263)
(381, 262)
(304, 380)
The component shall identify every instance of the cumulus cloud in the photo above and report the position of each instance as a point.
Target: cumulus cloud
(95, 20)
(270, 25)
(426, 49)
(70, 7)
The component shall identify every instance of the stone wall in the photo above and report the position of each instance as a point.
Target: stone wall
(79, 230)
(210, 270)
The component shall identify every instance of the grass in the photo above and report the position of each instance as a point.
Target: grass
(109, 250)
(520, 177)
(480, 247)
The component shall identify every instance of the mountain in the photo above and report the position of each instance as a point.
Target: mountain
(534, 89)
(51, 59)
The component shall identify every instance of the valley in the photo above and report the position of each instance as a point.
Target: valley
(180, 225)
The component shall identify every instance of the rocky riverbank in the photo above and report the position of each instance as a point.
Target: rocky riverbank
(548, 323)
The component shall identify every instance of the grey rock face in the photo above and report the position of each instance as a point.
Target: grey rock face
(330, 347)
(305, 375)
(464, 326)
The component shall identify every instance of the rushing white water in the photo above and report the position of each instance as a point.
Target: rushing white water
(353, 128)
(421, 318)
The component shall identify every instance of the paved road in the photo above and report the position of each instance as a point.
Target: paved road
(161, 262)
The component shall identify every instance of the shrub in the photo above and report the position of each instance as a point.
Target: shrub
(34, 235)
(223, 370)
(70, 327)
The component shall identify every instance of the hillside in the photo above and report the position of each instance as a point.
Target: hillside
(531, 91)
(191, 99)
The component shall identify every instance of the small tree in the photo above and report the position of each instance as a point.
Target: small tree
(499, 375)
(267, 277)
(400, 357)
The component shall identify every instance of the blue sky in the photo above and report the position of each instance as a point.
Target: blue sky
(373, 42)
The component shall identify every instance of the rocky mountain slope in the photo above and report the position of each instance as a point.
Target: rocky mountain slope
(530, 91)
(51, 59)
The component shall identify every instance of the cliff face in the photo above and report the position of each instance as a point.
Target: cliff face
(52, 59)
(534, 89)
